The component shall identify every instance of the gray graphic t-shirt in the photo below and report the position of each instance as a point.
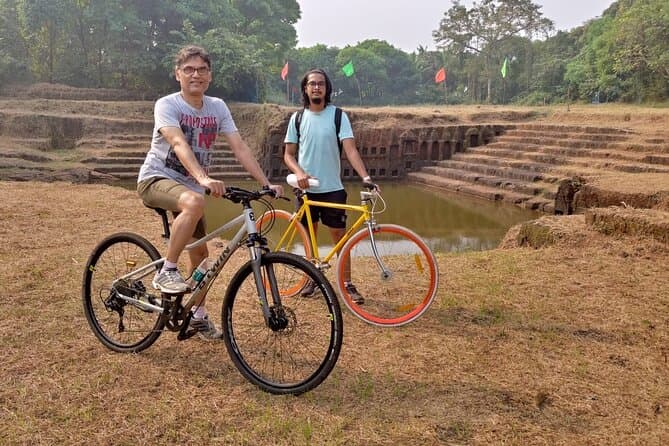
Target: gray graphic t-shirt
(200, 126)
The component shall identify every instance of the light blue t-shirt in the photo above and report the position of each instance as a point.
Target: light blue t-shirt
(318, 152)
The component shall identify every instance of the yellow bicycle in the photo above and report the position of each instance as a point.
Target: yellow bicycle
(391, 266)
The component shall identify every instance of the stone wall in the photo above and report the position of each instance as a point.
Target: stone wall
(390, 153)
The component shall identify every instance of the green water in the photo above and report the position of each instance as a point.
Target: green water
(447, 222)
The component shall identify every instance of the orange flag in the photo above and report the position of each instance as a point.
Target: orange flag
(440, 76)
(284, 72)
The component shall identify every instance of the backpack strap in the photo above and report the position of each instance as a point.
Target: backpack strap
(298, 121)
(338, 127)
(337, 119)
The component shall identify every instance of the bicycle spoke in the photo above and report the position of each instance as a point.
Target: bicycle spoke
(300, 349)
(404, 290)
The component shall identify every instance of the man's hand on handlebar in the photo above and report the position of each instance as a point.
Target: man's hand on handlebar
(216, 187)
(277, 189)
(368, 184)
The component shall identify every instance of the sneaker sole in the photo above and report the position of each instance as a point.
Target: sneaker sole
(208, 338)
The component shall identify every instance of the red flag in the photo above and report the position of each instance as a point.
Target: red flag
(284, 72)
(440, 76)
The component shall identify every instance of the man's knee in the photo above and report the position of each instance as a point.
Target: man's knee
(192, 202)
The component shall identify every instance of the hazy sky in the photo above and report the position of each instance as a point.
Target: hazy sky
(407, 24)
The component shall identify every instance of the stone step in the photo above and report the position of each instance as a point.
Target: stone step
(556, 141)
(596, 163)
(131, 142)
(562, 134)
(463, 163)
(132, 174)
(529, 187)
(41, 144)
(489, 193)
(656, 159)
(570, 151)
(488, 160)
(138, 161)
(573, 129)
(116, 168)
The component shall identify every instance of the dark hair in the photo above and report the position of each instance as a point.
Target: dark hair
(189, 51)
(328, 87)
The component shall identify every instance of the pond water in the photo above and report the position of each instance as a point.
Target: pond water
(447, 222)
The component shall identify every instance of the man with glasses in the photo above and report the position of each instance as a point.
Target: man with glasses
(319, 157)
(175, 172)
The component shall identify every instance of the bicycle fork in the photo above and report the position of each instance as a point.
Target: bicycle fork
(386, 274)
(265, 279)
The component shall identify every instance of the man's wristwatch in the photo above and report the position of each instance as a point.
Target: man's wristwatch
(367, 179)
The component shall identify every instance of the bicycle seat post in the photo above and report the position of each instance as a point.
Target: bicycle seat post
(166, 224)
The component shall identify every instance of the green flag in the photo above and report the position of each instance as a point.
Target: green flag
(348, 69)
(506, 60)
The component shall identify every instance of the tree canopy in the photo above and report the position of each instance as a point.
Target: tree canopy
(129, 44)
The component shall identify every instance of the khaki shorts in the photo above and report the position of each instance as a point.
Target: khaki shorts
(164, 193)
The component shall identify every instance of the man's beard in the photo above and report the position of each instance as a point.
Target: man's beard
(316, 101)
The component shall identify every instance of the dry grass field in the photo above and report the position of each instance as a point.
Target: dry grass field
(566, 344)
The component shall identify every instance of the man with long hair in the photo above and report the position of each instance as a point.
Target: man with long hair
(319, 157)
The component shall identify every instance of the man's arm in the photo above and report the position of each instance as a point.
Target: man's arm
(244, 155)
(176, 138)
(291, 161)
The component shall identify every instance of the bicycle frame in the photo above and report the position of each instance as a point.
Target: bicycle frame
(255, 243)
(366, 218)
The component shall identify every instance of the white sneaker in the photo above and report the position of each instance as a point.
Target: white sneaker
(206, 329)
(170, 282)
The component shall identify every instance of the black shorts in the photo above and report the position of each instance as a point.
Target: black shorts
(332, 218)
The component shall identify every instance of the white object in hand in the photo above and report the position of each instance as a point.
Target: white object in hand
(292, 180)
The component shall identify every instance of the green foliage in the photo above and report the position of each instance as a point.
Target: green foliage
(485, 30)
(13, 60)
(130, 44)
(625, 54)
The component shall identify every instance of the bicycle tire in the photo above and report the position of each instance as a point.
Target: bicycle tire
(119, 325)
(292, 359)
(296, 242)
(414, 276)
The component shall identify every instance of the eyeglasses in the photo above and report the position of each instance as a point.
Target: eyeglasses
(189, 71)
(314, 84)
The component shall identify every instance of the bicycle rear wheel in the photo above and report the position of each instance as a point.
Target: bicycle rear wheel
(274, 225)
(301, 346)
(120, 325)
(400, 294)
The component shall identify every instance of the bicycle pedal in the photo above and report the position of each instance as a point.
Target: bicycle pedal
(183, 335)
(171, 297)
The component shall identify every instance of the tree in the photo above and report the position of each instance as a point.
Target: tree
(485, 27)
(13, 52)
(639, 55)
(43, 26)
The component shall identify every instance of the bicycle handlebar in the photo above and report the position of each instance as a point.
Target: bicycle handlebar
(237, 194)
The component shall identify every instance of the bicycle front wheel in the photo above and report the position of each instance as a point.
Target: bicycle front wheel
(299, 346)
(399, 285)
(120, 325)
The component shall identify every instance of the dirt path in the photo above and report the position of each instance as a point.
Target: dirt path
(567, 344)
